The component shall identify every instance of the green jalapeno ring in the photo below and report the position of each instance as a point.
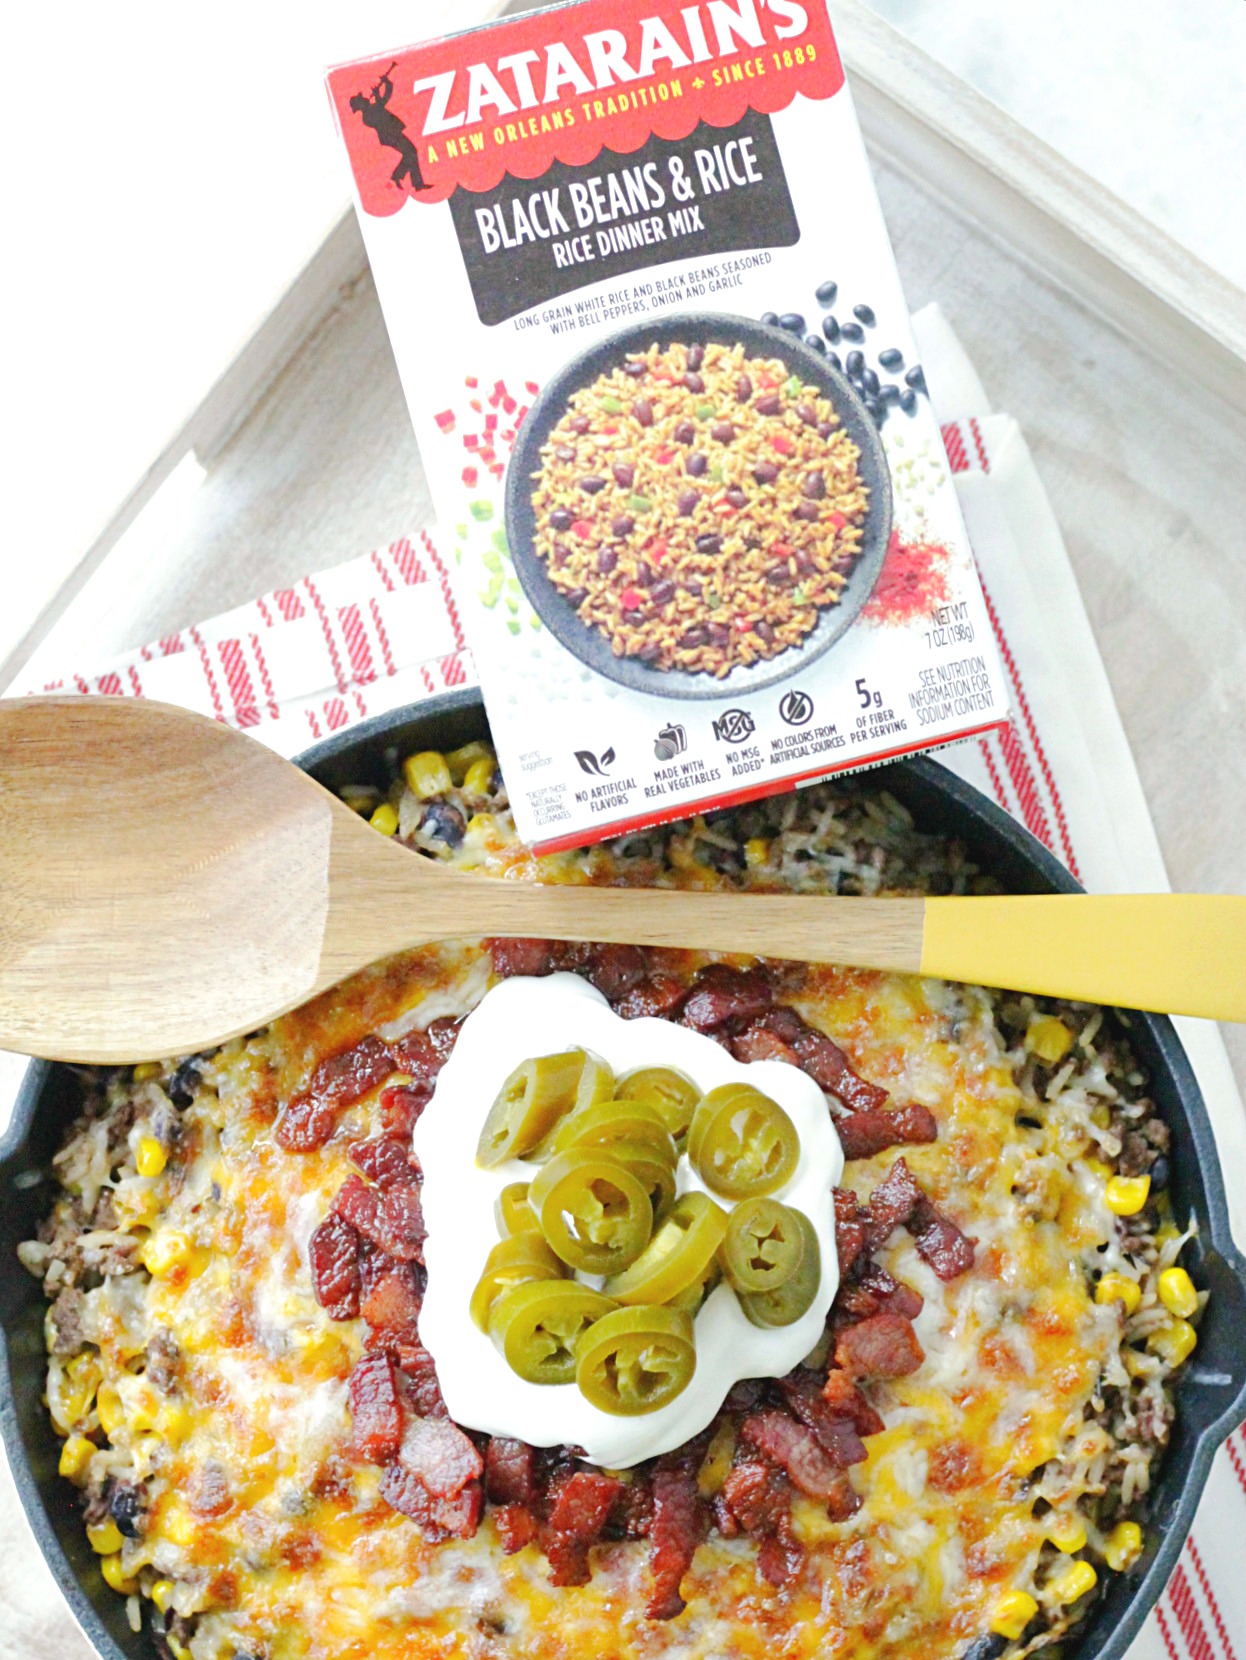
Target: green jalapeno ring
(512, 1261)
(649, 1164)
(595, 1213)
(692, 1298)
(537, 1326)
(512, 1212)
(763, 1247)
(596, 1083)
(528, 1105)
(677, 1256)
(672, 1092)
(705, 1112)
(636, 1360)
(742, 1144)
(607, 1121)
(795, 1297)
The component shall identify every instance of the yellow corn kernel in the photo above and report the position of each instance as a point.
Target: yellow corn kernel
(1165, 1234)
(1177, 1293)
(1013, 1612)
(177, 1648)
(1066, 1531)
(1126, 1195)
(1119, 1288)
(1048, 1038)
(146, 1070)
(172, 1423)
(76, 1454)
(105, 1539)
(1174, 1343)
(151, 1158)
(479, 776)
(163, 1252)
(1123, 1546)
(385, 819)
(108, 1405)
(70, 1398)
(427, 774)
(161, 1594)
(1097, 1168)
(1074, 1582)
(756, 851)
(177, 1524)
(460, 761)
(716, 1465)
(115, 1576)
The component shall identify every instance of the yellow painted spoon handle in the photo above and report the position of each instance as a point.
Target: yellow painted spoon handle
(1181, 953)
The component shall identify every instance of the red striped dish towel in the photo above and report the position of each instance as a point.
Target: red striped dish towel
(382, 631)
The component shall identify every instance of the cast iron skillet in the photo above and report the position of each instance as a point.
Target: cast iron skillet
(559, 616)
(1211, 1398)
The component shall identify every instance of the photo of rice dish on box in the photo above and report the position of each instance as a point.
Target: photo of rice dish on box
(699, 507)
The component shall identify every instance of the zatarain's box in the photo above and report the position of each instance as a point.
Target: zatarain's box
(706, 545)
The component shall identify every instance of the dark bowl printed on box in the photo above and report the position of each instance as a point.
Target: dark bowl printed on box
(589, 644)
(1210, 1393)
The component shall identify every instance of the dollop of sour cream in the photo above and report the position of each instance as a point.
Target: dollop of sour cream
(528, 1017)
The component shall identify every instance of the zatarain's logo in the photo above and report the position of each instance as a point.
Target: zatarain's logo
(526, 80)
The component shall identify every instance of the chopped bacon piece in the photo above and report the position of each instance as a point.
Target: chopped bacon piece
(510, 1471)
(402, 1230)
(633, 1513)
(939, 1241)
(438, 1452)
(305, 1124)
(391, 1297)
(756, 1497)
(721, 994)
(422, 1054)
(795, 1449)
(348, 1077)
(745, 1396)
(333, 1254)
(892, 1202)
(457, 1517)
(516, 1527)
(851, 1233)
(528, 957)
(887, 1293)
(836, 1432)
(845, 1399)
(613, 969)
(814, 1053)
(421, 1387)
(360, 1205)
(759, 1043)
(678, 1526)
(375, 1408)
(845, 1501)
(780, 1557)
(862, 1134)
(580, 1512)
(658, 997)
(401, 1106)
(884, 1346)
(386, 1161)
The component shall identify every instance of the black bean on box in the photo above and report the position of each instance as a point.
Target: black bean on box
(770, 319)
(852, 331)
(892, 358)
(793, 322)
(817, 342)
(864, 314)
(830, 327)
(826, 292)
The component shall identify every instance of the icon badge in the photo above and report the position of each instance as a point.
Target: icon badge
(796, 708)
(595, 765)
(733, 726)
(672, 740)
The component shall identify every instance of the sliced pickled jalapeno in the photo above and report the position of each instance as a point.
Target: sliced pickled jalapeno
(511, 1262)
(678, 1255)
(594, 1211)
(608, 1121)
(764, 1245)
(649, 1163)
(787, 1302)
(538, 1325)
(596, 1082)
(528, 1105)
(513, 1212)
(742, 1144)
(635, 1360)
(692, 1298)
(671, 1092)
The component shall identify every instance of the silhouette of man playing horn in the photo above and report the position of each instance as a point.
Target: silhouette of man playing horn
(374, 111)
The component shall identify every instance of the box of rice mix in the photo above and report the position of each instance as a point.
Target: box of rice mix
(704, 541)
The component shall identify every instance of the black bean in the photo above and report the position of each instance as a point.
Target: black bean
(694, 637)
(643, 574)
(873, 407)
(719, 633)
(854, 363)
(642, 409)
(916, 378)
(830, 328)
(564, 452)
(709, 543)
(692, 586)
(988, 1647)
(696, 355)
(624, 474)
(696, 464)
(635, 366)
(908, 401)
(869, 381)
(889, 393)
(770, 319)
(778, 576)
(736, 496)
(765, 472)
(853, 331)
(825, 429)
(445, 822)
(662, 592)
(825, 292)
(633, 617)
(813, 485)
(591, 483)
(892, 358)
(804, 562)
(686, 502)
(764, 632)
(833, 359)
(577, 596)
(685, 433)
(623, 525)
(607, 559)
(579, 423)
(183, 1084)
(770, 403)
(1160, 1173)
(694, 382)
(561, 519)
(809, 511)
(743, 389)
(793, 322)
(807, 413)
(722, 432)
(865, 315)
(126, 1509)
(817, 343)
(649, 653)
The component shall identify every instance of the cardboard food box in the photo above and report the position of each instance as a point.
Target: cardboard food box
(647, 318)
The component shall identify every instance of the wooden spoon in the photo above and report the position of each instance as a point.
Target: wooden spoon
(166, 883)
